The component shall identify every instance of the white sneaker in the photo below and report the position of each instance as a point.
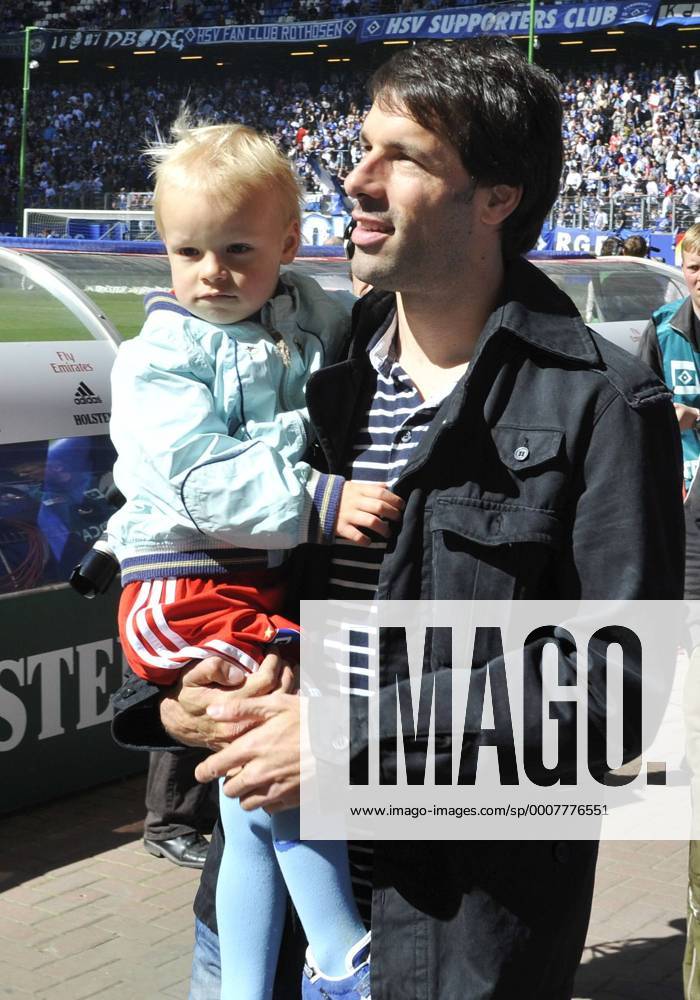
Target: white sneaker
(354, 985)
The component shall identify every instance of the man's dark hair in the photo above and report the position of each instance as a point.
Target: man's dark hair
(635, 246)
(502, 115)
(610, 247)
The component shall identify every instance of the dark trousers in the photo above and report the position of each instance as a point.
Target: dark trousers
(177, 804)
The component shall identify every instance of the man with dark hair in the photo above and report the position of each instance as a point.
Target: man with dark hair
(536, 461)
(501, 115)
(635, 246)
(610, 247)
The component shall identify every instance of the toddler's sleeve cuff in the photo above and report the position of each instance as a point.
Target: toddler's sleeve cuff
(325, 492)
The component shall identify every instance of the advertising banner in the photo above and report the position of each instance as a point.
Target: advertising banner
(61, 661)
(465, 22)
(70, 390)
(678, 13)
(187, 39)
(570, 240)
(459, 22)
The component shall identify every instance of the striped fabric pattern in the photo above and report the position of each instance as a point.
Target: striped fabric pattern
(150, 636)
(326, 492)
(200, 562)
(325, 503)
(395, 423)
(163, 300)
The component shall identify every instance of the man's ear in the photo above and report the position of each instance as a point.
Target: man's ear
(291, 243)
(502, 201)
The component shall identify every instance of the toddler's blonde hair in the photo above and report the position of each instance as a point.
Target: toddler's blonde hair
(227, 162)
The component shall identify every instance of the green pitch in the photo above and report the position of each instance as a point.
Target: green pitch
(125, 311)
(35, 315)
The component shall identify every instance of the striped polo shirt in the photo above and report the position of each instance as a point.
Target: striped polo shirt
(392, 429)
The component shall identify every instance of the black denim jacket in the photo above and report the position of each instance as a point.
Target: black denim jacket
(552, 470)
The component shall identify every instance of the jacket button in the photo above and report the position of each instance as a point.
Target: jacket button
(521, 453)
(561, 852)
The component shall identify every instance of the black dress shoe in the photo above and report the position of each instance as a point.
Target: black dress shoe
(189, 850)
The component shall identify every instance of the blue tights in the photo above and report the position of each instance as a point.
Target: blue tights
(263, 859)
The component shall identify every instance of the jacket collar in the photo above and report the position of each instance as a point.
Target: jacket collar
(283, 305)
(537, 311)
(532, 307)
(683, 322)
(285, 302)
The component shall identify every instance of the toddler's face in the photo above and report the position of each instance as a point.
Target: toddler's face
(225, 262)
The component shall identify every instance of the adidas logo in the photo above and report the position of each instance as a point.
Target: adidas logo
(84, 394)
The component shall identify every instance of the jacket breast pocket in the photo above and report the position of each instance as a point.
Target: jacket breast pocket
(532, 457)
(490, 551)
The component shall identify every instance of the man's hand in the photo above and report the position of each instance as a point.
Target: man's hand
(367, 507)
(263, 764)
(214, 681)
(686, 415)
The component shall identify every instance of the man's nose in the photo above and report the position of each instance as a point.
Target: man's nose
(351, 183)
(364, 179)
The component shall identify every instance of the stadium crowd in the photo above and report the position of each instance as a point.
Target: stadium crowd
(82, 141)
(176, 13)
(632, 137)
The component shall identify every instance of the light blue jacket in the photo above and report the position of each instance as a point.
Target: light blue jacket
(210, 426)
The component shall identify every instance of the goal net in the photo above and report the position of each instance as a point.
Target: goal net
(84, 224)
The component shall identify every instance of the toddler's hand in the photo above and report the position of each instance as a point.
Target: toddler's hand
(217, 672)
(211, 681)
(367, 507)
(274, 672)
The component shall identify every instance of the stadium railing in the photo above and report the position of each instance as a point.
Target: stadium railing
(640, 211)
(624, 212)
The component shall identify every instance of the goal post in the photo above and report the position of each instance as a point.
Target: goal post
(90, 224)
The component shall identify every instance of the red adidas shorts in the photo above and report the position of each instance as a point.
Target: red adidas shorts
(166, 624)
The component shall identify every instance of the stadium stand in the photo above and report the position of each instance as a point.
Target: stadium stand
(84, 139)
(174, 13)
(632, 137)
